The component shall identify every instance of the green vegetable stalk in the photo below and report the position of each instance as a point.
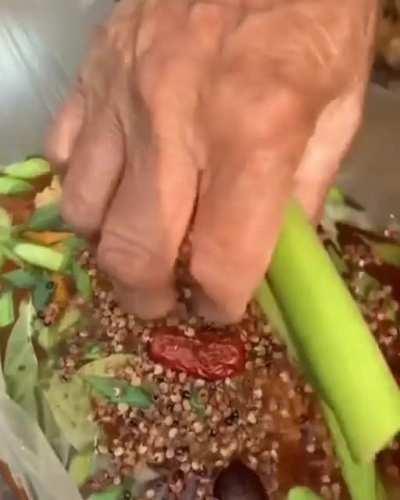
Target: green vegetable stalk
(362, 480)
(332, 339)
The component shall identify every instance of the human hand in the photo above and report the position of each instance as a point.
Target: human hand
(211, 112)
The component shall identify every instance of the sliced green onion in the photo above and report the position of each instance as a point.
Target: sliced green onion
(29, 169)
(21, 278)
(41, 256)
(9, 186)
(7, 314)
(302, 493)
(47, 218)
(112, 493)
(82, 281)
(388, 253)
(332, 339)
(118, 391)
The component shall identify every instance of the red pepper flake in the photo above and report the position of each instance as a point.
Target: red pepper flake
(209, 355)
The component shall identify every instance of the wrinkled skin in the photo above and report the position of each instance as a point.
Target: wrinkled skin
(212, 113)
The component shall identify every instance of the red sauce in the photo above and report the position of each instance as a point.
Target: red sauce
(208, 355)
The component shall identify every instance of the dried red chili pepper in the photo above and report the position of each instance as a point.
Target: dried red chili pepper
(208, 355)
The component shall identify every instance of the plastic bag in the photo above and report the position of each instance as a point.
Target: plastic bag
(41, 45)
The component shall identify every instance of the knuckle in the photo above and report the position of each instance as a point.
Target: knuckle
(130, 261)
(77, 214)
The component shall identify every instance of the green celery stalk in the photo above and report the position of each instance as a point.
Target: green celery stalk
(41, 256)
(10, 186)
(332, 339)
(362, 480)
(29, 169)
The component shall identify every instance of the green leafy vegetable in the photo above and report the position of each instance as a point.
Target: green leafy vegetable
(29, 169)
(332, 339)
(82, 281)
(20, 363)
(6, 308)
(47, 218)
(118, 391)
(301, 493)
(41, 256)
(81, 467)
(10, 186)
(21, 278)
(70, 404)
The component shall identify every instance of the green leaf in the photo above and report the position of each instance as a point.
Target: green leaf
(82, 281)
(11, 186)
(47, 218)
(21, 278)
(197, 404)
(70, 404)
(301, 493)
(6, 308)
(113, 493)
(29, 169)
(41, 256)
(20, 363)
(118, 391)
(81, 467)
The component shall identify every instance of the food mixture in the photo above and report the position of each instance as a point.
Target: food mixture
(176, 408)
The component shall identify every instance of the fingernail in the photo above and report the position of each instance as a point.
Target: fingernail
(146, 304)
(207, 308)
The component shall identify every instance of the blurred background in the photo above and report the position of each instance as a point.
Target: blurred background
(43, 41)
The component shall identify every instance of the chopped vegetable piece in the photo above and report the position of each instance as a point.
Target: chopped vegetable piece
(69, 319)
(29, 169)
(50, 194)
(41, 256)
(113, 493)
(6, 308)
(21, 278)
(82, 281)
(47, 218)
(46, 238)
(5, 225)
(107, 366)
(118, 391)
(81, 467)
(62, 294)
(10, 186)
(333, 340)
(70, 404)
(301, 493)
(42, 294)
(197, 404)
(20, 362)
